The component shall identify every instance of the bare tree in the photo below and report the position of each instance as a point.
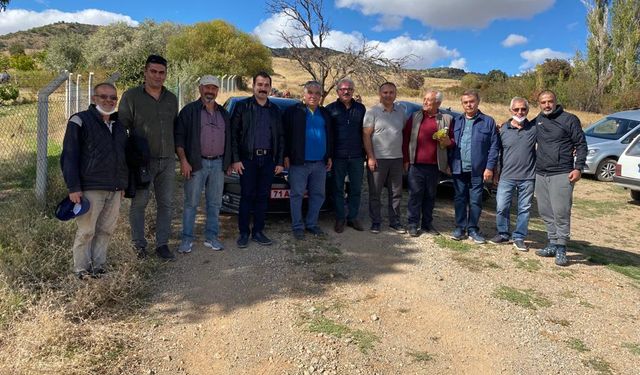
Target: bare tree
(599, 42)
(306, 38)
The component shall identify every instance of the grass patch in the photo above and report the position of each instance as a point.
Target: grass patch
(599, 365)
(565, 274)
(568, 294)
(450, 244)
(420, 356)
(403, 310)
(561, 322)
(527, 298)
(530, 265)
(623, 262)
(586, 304)
(577, 344)
(473, 264)
(597, 208)
(365, 340)
(634, 348)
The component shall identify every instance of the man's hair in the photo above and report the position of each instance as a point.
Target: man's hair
(309, 84)
(439, 95)
(345, 80)
(519, 99)
(547, 92)
(155, 59)
(472, 93)
(387, 84)
(262, 74)
(107, 84)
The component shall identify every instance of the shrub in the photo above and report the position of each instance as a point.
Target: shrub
(9, 92)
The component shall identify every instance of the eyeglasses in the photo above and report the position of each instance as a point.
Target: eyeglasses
(519, 109)
(349, 89)
(105, 97)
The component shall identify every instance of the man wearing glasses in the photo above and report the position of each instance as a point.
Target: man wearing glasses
(308, 151)
(348, 157)
(150, 110)
(94, 168)
(517, 173)
(203, 145)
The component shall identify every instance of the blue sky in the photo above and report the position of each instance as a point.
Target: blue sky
(476, 35)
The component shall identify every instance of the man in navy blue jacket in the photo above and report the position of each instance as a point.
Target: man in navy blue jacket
(472, 162)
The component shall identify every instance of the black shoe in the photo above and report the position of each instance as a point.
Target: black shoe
(398, 228)
(141, 252)
(97, 273)
(355, 224)
(164, 253)
(458, 234)
(375, 228)
(243, 240)
(430, 230)
(339, 226)
(83, 275)
(261, 239)
(499, 238)
(298, 234)
(316, 231)
(477, 237)
(413, 231)
(561, 255)
(548, 251)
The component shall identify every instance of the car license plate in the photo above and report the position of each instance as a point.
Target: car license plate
(279, 193)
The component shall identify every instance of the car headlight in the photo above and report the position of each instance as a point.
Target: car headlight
(592, 151)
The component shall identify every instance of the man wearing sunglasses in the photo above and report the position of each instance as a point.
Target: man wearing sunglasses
(517, 173)
(94, 167)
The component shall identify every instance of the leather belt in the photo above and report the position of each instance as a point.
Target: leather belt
(212, 157)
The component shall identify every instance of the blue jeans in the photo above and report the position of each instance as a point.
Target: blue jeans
(468, 200)
(354, 168)
(506, 189)
(423, 183)
(211, 178)
(310, 176)
(255, 186)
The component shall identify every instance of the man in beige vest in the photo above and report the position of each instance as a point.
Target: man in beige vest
(427, 135)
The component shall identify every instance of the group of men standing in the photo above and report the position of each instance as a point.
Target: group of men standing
(258, 140)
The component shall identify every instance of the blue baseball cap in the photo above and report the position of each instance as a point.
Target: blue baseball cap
(68, 210)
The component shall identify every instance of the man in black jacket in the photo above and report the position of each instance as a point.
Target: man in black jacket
(94, 167)
(257, 147)
(348, 158)
(559, 136)
(203, 145)
(308, 152)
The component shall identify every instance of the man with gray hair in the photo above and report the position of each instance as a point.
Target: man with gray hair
(348, 158)
(427, 135)
(307, 153)
(517, 172)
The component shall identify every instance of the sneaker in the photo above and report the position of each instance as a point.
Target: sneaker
(458, 234)
(339, 226)
(164, 253)
(260, 238)
(548, 251)
(97, 273)
(316, 231)
(561, 255)
(83, 275)
(413, 231)
(298, 234)
(185, 247)
(141, 252)
(355, 224)
(499, 239)
(520, 245)
(430, 230)
(477, 237)
(213, 244)
(243, 240)
(375, 228)
(398, 228)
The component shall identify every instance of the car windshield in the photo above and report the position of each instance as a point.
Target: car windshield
(611, 128)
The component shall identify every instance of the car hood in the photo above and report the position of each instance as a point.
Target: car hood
(599, 142)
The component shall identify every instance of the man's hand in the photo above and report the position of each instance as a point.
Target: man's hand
(405, 165)
(278, 169)
(230, 170)
(238, 167)
(487, 175)
(372, 163)
(286, 162)
(574, 176)
(445, 141)
(75, 197)
(185, 169)
(329, 164)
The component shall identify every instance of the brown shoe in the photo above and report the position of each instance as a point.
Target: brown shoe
(355, 224)
(339, 227)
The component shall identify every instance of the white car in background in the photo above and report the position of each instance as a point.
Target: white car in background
(628, 169)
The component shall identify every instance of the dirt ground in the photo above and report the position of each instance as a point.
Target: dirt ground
(360, 303)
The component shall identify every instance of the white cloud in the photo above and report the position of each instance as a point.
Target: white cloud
(514, 40)
(424, 52)
(537, 56)
(388, 22)
(13, 20)
(460, 63)
(450, 14)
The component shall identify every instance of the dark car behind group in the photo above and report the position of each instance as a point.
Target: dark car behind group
(279, 195)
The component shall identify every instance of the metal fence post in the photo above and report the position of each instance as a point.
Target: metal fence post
(89, 88)
(78, 93)
(67, 99)
(43, 136)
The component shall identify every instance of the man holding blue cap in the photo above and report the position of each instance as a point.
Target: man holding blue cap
(94, 169)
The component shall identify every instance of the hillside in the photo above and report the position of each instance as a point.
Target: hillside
(37, 39)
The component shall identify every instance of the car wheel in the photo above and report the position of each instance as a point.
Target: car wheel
(635, 195)
(606, 170)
